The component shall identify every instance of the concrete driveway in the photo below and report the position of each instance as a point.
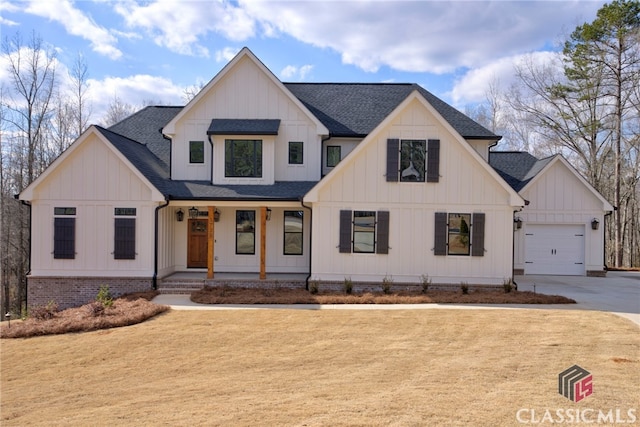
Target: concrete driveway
(617, 293)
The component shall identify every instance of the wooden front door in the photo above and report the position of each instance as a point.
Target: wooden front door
(197, 244)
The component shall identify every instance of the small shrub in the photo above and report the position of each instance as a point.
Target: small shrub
(314, 287)
(507, 286)
(44, 312)
(464, 287)
(95, 309)
(347, 285)
(104, 296)
(426, 282)
(387, 283)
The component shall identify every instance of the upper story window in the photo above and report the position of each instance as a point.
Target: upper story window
(295, 152)
(196, 151)
(243, 158)
(412, 160)
(333, 155)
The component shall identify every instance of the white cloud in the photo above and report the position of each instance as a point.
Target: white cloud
(431, 36)
(7, 22)
(292, 72)
(179, 26)
(133, 90)
(226, 54)
(472, 87)
(77, 24)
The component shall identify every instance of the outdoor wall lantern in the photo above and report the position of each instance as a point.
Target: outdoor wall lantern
(216, 215)
(595, 224)
(193, 212)
(268, 214)
(517, 223)
(180, 215)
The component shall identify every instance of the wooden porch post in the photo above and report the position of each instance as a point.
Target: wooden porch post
(210, 234)
(263, 242)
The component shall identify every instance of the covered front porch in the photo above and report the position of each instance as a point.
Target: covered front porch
(240, 242)
(185, 282)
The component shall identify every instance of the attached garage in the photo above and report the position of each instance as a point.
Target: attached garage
(554, 249)
(561, 229)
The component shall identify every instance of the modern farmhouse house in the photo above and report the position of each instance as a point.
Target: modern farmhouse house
(259, 181)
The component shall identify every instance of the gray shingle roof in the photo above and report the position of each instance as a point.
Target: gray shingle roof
(346, 109)
(243, 127)
(517, 167)
(145, 127)
(355, 109)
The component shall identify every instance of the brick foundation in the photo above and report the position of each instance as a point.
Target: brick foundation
(76, 291)
(597, 273)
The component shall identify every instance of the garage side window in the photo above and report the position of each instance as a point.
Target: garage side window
(64, 233)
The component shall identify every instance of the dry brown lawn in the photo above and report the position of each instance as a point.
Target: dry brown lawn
(441, 367)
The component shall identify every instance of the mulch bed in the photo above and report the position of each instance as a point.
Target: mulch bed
(126, 310)
(239, 295)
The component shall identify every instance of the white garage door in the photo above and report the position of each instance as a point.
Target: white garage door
(554, 249)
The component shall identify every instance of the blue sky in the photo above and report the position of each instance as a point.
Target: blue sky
(149, 51)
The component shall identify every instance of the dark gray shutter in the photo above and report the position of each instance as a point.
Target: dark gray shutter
(477, 235)
(64, 238)
(433, 160)
(440, 234)
(125, 238)
(345, 232)
(382, 229)
(393, 159)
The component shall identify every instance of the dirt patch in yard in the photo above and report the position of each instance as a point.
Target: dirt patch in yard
(239, 295)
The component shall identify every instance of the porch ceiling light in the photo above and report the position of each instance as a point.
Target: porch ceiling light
(193, 212)
(180, 215)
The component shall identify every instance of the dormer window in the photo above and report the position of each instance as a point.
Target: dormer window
(243, 158)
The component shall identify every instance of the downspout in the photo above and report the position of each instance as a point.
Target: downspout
(170, 153)
(26, 282)
(513, 251)
(155, 244)
(306, 281)
(211, 143)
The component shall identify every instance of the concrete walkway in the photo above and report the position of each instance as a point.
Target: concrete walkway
(618, 293)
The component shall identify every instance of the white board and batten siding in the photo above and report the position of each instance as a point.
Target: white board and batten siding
(556, 236)
(94, 180)
(464, 186)
(246, 93)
